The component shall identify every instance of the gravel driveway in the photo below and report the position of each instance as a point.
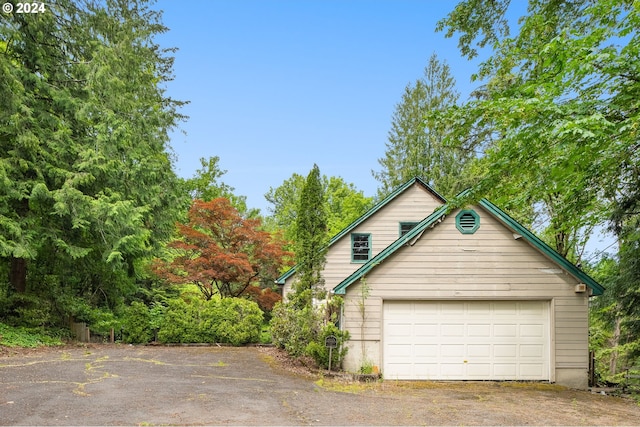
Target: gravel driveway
(129, 385)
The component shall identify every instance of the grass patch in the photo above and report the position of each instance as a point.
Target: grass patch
(26, 337)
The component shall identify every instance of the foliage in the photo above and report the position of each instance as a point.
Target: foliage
(205, 185)
(415, 147)
(319, 351)
(137, 324)
(221, 252)
(87, 187)
(11, 336)
(228, 320)
(302, 331)
(293, 328)
(265, 298)
(343, 204)
(559, 112)
(310, 242)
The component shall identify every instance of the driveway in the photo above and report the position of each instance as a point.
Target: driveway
(129, 385)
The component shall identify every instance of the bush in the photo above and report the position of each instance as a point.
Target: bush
(293, 329)
(180, 322)
(302, 332)
(137, 324)
(236, 321)
(26, 337)
(319, 351)
(228, 320)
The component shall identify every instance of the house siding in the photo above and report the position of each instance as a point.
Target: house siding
(490, 264)
(412, 205)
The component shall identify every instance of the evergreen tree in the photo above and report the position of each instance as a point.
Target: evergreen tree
(87, 187)
(311, 241)
(415, 148)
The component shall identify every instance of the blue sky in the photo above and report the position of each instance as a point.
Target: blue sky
(276, 86)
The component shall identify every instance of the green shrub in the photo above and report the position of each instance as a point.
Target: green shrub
(293, 329)
(302, 332)
(319, 351)
(236, 321)
(177, 324)
(27, 310)
(26, 337)
(228, 320)
(137, 324)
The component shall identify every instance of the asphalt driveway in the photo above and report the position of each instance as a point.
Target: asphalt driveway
(129, 385)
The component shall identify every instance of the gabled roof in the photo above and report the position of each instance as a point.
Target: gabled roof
(280, 280)
(438, 215)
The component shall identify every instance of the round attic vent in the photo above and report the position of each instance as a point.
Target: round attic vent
(467, 221)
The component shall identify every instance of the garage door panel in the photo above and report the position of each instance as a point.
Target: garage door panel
(531, 371)
(505, 350)
(535, 331)
(479, 330)
(479, 350)
(505, 330)
(426, 329)
(532, 350)
(452, 330)
(478, 370)
(459, 340)
(452, 370)
(426, 350)
(452, 350)
(504, 371)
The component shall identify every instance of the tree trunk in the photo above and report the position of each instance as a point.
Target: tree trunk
(18, 274)
(615, 341)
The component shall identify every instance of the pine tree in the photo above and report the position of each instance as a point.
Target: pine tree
(416, 149)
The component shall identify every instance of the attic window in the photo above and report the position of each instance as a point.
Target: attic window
(360, 247)
(405, 227)
(467, 222)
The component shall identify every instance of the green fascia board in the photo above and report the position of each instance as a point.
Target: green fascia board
(547, 250)
(598, 289)
(340, 289)
(395, 193)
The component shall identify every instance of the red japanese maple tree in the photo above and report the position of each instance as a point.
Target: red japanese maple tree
(221, 252)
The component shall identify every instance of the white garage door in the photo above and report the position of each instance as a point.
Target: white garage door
(466, 340)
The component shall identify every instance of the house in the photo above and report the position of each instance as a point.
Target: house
(436, 293)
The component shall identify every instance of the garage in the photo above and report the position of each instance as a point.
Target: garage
(466, 340)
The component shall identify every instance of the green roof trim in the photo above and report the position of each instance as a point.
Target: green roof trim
(373, 262)
(437, 215)
(395, 193)
(547, 250)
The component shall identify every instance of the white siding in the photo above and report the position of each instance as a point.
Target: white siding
(487, 265)
(413, 205)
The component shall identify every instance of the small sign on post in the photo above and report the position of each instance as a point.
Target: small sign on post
(330, 342)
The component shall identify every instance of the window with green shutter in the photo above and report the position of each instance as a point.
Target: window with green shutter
(467, 221)
(360, 247)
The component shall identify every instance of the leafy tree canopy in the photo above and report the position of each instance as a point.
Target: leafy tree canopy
(221, 252)
(342, 201)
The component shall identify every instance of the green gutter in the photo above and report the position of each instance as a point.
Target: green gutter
(340, 289)
(543, 247)
(598, 289)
